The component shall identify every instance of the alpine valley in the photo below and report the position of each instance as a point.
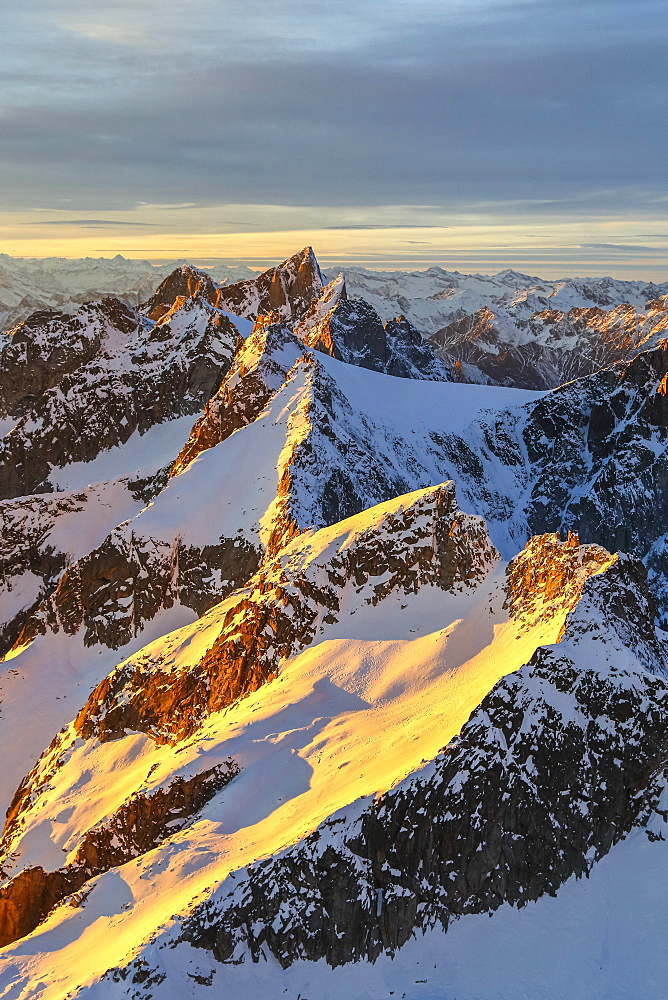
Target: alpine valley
(333, 616)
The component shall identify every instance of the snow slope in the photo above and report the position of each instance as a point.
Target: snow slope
(600, 938)
(345, 718)
(230, 491)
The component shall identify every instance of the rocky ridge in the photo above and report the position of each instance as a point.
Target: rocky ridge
(287, 289)
(145, 373)
(550, 347)
(423, 540)
(554, 768)
(406, 546)
(351, 331)
(509, 328)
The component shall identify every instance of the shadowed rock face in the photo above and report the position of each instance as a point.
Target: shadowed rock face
(138, 376)
(118, 587)
(411, 356)
(557, 764)
(598, 449)
(50, 345)
(25, 549)
(138, 826)
(350, 330)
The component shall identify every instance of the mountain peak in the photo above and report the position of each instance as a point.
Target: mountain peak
(288, 289)
(183, 282)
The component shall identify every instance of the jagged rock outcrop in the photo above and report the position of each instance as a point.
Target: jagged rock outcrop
(418, 540)
(259, 369)
(183, 283)
(287, 289)
(138, 826)
(141, 375)
(558, 763)
(351, 331)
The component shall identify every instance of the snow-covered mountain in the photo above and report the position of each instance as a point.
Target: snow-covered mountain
(513, 329)
(327, 673)
(504, 329)
(433, 298)
(28, 284)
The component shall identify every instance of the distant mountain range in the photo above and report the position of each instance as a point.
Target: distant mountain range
(333, 616)
(503, 329)
(30, 284)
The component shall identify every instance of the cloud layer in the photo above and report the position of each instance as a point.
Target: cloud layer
(485, 108)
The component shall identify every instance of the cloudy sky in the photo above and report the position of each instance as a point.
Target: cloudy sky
(475, 134)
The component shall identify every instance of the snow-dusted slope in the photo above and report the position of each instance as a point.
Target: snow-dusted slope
(41, 535)
(104, 374)
(345, 717)
(305, 697)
